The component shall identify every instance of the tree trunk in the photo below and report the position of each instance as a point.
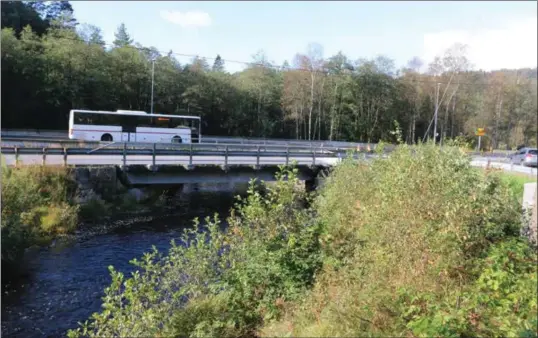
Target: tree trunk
(445, 119)
(333, 112)
(311, 105)
(452, 118)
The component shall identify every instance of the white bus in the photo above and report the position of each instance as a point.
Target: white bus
(133, 126)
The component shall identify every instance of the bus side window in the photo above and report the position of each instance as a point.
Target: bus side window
(179, 123)
(79, 118)
(144, 121)
(161, 122)
(98, 119)
(111, 120)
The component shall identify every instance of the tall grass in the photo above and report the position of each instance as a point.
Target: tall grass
(419, 243)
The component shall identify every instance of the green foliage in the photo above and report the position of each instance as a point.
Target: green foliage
(397, 133)
(122, 37)
(501, 302)
(35, 205)
(516, 182)
(218, 65)
(94, 209)
(406, 232)
(215, 282)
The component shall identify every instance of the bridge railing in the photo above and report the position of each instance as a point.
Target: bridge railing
(222, 154)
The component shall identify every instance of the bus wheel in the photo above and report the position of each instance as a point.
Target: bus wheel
(106, 138)
(176, 139)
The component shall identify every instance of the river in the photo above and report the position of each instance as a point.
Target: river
(63, 285)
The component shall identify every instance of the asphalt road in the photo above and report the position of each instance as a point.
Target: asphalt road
(505, 166)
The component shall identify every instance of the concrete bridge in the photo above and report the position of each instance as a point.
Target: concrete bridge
(142, 164)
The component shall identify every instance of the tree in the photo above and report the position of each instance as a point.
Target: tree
(58, 13)
(199, 64)
(50, 68)
(18, 14)
(122, 38)
(91, 34)
(218, 65)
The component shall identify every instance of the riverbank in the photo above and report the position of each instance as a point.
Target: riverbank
(41, 205)
(63, 284)
(418, 243)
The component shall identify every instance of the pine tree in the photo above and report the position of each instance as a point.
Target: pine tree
(122, 37)
(218, 65)
(96, 37)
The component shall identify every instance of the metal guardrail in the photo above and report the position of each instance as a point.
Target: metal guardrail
(283, 153)
(34, 143)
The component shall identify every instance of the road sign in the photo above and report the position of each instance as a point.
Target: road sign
(480, 132)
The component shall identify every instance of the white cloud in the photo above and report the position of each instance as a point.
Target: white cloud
(187, 19)
(512, 46)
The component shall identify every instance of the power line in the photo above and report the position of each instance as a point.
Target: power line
(271, 66)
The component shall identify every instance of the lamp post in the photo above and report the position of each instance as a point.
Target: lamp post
(152, 80)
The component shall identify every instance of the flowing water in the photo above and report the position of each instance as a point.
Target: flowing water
(63, 285)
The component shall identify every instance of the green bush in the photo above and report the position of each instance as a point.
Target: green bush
(418, 223)
(35, 205)
(502, 301)
(219, 283)
(94, 209)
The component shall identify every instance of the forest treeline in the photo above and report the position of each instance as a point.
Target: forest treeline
(51, 64)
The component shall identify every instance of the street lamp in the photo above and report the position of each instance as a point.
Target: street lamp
(152, 80)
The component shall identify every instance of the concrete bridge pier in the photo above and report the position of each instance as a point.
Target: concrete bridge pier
(317, 179)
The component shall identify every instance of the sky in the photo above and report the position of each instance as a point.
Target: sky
(498, 34)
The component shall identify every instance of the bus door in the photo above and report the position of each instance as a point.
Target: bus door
(128, 129)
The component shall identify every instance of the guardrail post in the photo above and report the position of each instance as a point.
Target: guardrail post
(287, 155)
(226, 158)
(153, 156)
(258, 158)
(65, 156)
(313, 156)
(124, 154)
(190, 156)
(44, 156)
(16, 156)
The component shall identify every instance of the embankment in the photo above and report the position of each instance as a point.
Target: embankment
(40, 204)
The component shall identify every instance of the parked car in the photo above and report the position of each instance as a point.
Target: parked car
(526, 156)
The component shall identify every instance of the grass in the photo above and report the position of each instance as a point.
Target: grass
(416, 244)
(516, 181)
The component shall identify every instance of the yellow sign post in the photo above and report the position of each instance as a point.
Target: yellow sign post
(480, 132)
